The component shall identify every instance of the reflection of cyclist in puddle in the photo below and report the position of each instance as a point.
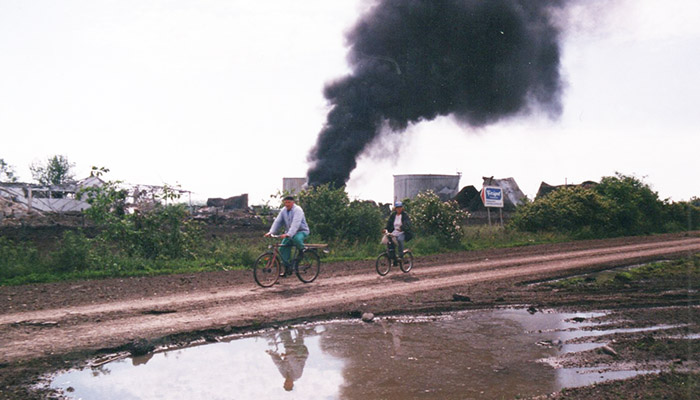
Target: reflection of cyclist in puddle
(396, 331)
(291, 362)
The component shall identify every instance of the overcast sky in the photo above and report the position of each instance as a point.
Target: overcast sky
(224, 97)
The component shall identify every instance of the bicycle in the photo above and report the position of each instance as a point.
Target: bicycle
(306, 264)
(388, 258)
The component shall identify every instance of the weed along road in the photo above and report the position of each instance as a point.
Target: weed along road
(50, 320)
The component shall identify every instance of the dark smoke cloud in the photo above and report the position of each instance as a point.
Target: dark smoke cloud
(413, 60)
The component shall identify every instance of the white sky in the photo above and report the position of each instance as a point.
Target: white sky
(224, 97)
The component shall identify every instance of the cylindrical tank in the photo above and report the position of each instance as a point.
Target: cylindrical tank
(293, 185)
(408, 186)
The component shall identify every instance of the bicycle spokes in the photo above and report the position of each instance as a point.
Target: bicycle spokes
(309, 267)
(267, 269)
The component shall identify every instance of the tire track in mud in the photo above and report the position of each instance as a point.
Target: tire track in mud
(32, 334)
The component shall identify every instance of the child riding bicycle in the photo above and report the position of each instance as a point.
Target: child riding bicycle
(399, 224)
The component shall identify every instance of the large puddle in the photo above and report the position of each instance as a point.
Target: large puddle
(477, 354)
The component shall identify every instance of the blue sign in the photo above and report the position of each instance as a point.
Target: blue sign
(492, 196)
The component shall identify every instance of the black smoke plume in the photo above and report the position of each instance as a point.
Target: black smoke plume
(413, 60)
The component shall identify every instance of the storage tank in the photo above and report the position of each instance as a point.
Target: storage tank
(293, 185)
(408, 186)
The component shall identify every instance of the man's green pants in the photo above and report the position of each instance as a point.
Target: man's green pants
(298, 242)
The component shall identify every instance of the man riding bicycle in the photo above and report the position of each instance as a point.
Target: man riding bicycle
(292, 217)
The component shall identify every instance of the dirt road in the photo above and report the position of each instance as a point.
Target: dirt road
(47, 320)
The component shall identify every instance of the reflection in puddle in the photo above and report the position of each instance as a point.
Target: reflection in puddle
(260, 367)
(479, 354)
(291, 358)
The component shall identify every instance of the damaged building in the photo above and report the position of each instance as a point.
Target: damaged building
(28, 203)
(469, 197)
(20, 201)
(546, 188)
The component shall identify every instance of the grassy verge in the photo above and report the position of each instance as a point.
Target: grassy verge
(672, 273)
(667, 385)
(76, 256)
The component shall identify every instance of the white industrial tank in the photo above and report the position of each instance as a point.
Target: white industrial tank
(408, 186)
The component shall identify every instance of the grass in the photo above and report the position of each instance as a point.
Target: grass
(488, 237)
(77, 257)
(666, 385)
(672, 271)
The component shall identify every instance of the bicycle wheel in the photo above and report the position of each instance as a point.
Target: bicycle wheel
(407, 262)
(309, 267)
(383, 264)
(267, 269)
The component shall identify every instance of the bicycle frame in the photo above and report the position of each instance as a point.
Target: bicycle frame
(403, 261)
(305, 263)
(391, 246)
(294, 254)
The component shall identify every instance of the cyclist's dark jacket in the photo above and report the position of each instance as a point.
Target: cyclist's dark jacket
(406, 227)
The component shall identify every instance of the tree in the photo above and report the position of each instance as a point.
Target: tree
(7, 172)
(57, 171)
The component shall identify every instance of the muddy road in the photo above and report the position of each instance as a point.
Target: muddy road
(50, 320)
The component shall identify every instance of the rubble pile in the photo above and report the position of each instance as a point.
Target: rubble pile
(15, 213)
(11, 209)
(231, 218)
(231, 203)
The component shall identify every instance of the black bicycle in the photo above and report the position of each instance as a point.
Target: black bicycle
(388, 258)
(306, 264)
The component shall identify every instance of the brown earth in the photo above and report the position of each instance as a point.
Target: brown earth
(51, 326)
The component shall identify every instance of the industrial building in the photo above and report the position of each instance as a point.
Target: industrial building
(408, 186)
(293, 185)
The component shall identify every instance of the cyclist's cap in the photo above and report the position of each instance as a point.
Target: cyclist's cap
(398, 204)
(289, 198)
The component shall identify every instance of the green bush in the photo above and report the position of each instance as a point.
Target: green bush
(434, 217)
(18, 259)
(634, 208)
(618, 205)
(332, 216)
(163, 232)
(364, 221)
(73, 254)
(566, 210)
(325, 209)
(680, 216)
